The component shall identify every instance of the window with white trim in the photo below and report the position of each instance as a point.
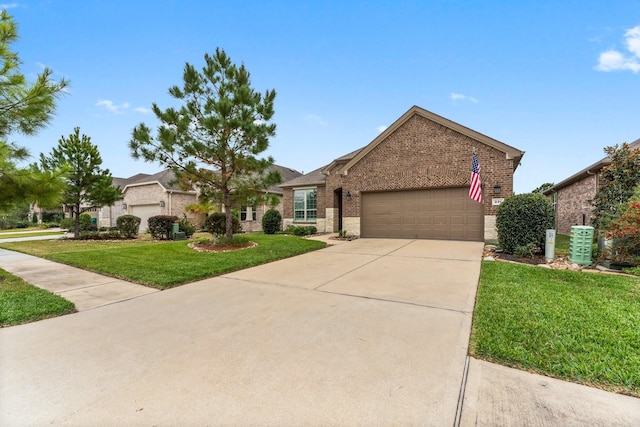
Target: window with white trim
(305, 205)
(248, 213)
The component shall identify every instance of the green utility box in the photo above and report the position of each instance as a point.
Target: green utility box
(580, 243)
(175, 230)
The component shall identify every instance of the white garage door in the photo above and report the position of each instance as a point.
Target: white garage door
(144, 212)
(443, 214)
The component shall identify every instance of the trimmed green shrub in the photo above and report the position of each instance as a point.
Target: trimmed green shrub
(161, 226)
(86, 223)
(271, 221)
(216, 224)
(522, 220)
(128, 225)
(301, 230)
(67, 223)
(186, 227)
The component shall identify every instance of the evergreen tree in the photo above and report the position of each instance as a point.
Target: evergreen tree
(88, 186)
(618, 182)
(213, 139)
(24, 108)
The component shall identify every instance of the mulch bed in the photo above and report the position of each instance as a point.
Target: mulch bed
(214, 247)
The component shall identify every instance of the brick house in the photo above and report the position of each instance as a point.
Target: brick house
(412, 181)
(159, 194)
(572, 196)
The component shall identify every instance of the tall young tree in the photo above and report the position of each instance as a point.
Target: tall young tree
(619, 180)
(24, 108)
(88, 186)
(214, 138)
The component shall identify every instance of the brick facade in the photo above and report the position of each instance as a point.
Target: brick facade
(573, 205)
(419, 154)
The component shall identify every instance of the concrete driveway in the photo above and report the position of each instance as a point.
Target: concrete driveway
(371, 332)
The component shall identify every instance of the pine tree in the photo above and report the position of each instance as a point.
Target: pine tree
(88, 186)
(214, 139)
(24, 108)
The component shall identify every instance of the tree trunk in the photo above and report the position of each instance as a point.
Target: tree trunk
(227, 215)
(76, 228)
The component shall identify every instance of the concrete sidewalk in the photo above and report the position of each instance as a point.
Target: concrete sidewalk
(85, 289)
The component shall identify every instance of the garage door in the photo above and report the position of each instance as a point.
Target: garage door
(145, 212)
(443, 214)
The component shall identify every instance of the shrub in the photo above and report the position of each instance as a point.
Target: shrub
(52, 216)
(624, 231)
(301, 230)
(34, 218)
(271, 221)
(216, 224)
(86, 222)
(67, 223)
(186, 227)
(128, 225)
(95, 235)
(22, 224)
(523, 219)
(161, 226)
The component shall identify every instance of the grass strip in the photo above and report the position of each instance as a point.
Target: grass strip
(34, 234)
(164, 264)
(581, 327)
(21, 302)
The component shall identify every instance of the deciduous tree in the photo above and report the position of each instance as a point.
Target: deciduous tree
(618, 179)
(212, 141)
(88, 185)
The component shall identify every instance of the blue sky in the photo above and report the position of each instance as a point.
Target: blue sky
(557, 79)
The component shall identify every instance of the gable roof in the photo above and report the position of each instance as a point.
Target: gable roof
(589, 170)
(315, 177)
(166, 179)
(318, 176)
(286, 173)
(510, 152)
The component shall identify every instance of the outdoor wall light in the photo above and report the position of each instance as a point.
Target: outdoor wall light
(497, 189)
(348, 195)
(162, 203)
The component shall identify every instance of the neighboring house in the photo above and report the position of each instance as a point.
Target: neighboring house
(572, 196)
(158, 194)
(107, 215)
(251, 216)
(412, 181)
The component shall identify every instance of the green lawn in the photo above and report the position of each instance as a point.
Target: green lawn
(32, 234)
(21, 302)
(582, 327)
(163, 264)
(562, 245)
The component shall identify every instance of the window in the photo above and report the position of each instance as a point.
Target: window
(248, 213)
(305, 205)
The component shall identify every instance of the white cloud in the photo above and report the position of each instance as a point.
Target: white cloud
(8, 5)
(613, 60)
(316, 119)
(381, 128)
(122, 108)
(460, 97)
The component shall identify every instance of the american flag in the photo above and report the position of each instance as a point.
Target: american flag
(475, 190)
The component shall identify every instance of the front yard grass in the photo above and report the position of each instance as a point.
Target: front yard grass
(21, 302)
(581, 327)
(163, 264)
(32, 234)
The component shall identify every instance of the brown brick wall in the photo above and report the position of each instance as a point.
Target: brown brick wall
(572, 202)
(423, 154)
